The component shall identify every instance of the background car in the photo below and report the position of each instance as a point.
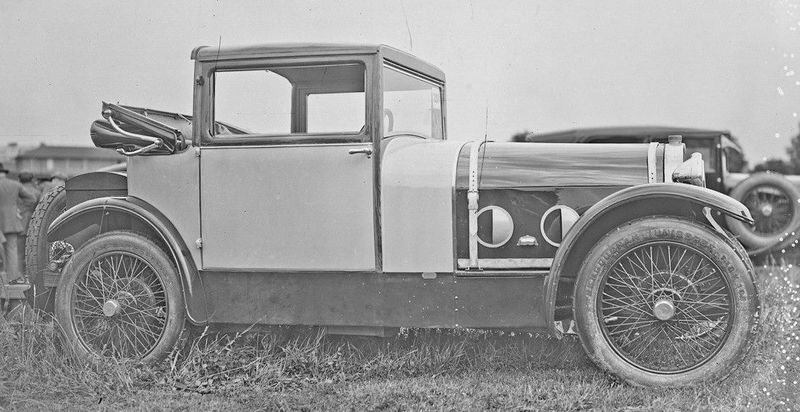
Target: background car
(773, 199)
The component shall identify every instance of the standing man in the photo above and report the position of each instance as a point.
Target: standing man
(11, 192)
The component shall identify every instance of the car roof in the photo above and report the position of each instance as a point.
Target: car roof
(212, 53)
(649, 132)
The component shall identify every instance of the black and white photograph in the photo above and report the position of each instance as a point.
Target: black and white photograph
(400, 205)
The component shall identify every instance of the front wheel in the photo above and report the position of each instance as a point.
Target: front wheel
(119, 297)
(664, 302)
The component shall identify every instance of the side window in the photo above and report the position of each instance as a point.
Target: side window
(411, 105)
(314, 103)
(705, 150)
(335, 112)
(252, 102)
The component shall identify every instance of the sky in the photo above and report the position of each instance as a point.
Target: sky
(531, 65)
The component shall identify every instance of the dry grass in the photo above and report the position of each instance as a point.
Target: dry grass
(298, 368)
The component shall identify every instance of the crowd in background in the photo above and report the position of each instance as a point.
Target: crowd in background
(18, 199)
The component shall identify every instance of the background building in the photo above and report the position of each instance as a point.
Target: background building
(70, 160)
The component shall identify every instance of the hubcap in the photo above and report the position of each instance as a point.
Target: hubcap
(664, 309)
(111, 308)
(766, 210)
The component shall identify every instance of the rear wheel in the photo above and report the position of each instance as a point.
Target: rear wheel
(773, 202)
(664, 302)
(41, 295)
(120, 298)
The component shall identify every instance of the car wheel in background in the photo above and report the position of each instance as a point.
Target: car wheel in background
(120, 298)
(773, 202)
(41, 295)
(664, 302)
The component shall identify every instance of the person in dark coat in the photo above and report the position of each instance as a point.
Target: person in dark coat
(11, 192)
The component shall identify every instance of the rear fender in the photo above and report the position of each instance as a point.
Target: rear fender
(663, 199)
(92, 217)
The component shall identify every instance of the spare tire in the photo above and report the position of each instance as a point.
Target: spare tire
(773, 202)
(41, 295)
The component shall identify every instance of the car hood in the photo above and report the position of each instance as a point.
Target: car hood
(519, 165)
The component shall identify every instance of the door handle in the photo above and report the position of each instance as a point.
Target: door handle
(364, 150)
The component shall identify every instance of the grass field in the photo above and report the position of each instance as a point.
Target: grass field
(420, 369)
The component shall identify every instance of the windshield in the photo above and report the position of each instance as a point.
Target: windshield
(732, 156)
(411, 105)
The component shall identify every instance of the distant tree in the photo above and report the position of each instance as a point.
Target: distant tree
(775, 165)
(794, 153)
(521, 136)
(790, 167)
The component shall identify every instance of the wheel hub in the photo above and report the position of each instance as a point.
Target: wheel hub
(111, 307)
(766, 209)
(664, 309)
(116, 305)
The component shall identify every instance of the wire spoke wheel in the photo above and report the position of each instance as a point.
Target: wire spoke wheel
(771, 208)
(665, 307)
(666, 302)
(119, 308)
(774, 203)
(120, 298)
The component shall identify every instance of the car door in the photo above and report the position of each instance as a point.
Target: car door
(287, 177)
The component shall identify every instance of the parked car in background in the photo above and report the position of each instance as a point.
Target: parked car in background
(316, 186)
(773, 199)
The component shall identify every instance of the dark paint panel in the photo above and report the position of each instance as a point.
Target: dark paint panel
(354, 299)
(500, 302)
(519, 165)
(89, 186)
(370, 299)
(526, 208)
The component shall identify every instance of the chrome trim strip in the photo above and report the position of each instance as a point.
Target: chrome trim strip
(454, 201)
(511, 263)
(651, 162)
(472, 205)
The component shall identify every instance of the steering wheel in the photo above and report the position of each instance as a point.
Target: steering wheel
(404, 133)
(389, 119)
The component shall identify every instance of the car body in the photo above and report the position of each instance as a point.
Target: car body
(771, 198)
(345, 206)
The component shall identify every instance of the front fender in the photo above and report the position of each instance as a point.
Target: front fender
(665, 199)
(124, 213)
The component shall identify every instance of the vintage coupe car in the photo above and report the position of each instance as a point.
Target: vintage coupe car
(314, 185)
(773, 199)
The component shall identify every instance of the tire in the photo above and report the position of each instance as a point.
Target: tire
(120, 297)
(773, 202)
(41, 295)
(691, 321)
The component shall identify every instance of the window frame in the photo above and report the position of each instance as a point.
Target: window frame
(207, 71)
(389, 64)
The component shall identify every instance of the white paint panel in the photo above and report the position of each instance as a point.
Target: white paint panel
(287, 208)
(417, 179)
(170, 183)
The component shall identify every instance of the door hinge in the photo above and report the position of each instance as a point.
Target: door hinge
(199, 81)
(196, 152)
(199, 243)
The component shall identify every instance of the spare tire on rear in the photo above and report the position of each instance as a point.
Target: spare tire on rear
(41, 295)
(773, 201)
